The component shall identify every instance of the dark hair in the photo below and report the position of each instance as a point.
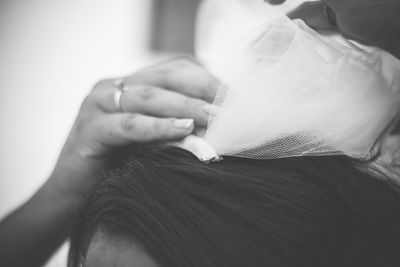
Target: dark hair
(308, 211)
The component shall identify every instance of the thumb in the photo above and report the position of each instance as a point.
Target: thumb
(318, 15)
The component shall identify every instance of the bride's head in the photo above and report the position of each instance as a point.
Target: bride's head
(163, 207)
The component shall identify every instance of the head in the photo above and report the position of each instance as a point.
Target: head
(162, 207)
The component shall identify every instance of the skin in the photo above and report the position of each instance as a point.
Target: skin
(158, 98)
(105, 250)
(372, 22)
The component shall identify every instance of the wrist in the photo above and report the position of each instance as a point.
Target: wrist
(74, 177)
(70, 199)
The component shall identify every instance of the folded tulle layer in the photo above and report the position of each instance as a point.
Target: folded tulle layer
(288, 91)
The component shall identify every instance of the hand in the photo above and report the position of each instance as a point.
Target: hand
(371, 22)
(156, 100)
(160, 104)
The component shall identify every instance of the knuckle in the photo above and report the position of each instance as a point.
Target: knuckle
(186, 104)
(129, 123)
(164, 72)
(171, 68)
(146, 93)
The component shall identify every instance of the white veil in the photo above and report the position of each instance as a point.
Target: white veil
(289, 91)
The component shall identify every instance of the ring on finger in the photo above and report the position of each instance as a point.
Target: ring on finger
(120, 85)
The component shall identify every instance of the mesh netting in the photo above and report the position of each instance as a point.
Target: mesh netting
(288, 91)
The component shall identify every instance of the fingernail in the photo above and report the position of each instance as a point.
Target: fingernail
(183, 123)
(210, 109)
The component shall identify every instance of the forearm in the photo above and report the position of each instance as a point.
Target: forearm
(34, 231)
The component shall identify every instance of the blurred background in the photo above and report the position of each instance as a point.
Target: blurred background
(51, 53)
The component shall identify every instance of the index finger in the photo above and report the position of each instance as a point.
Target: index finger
(274, 2)
(180, 76)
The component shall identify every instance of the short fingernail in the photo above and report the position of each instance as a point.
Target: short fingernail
(210, 109)
(182, 123)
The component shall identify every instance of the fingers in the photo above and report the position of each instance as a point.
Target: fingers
(149, 100)
(182, 76)
(175, 89)
(155, 101)
(274, 2)
(120, 129)
(317, 15)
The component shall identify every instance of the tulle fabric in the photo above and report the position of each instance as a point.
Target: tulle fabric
(289, 91)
